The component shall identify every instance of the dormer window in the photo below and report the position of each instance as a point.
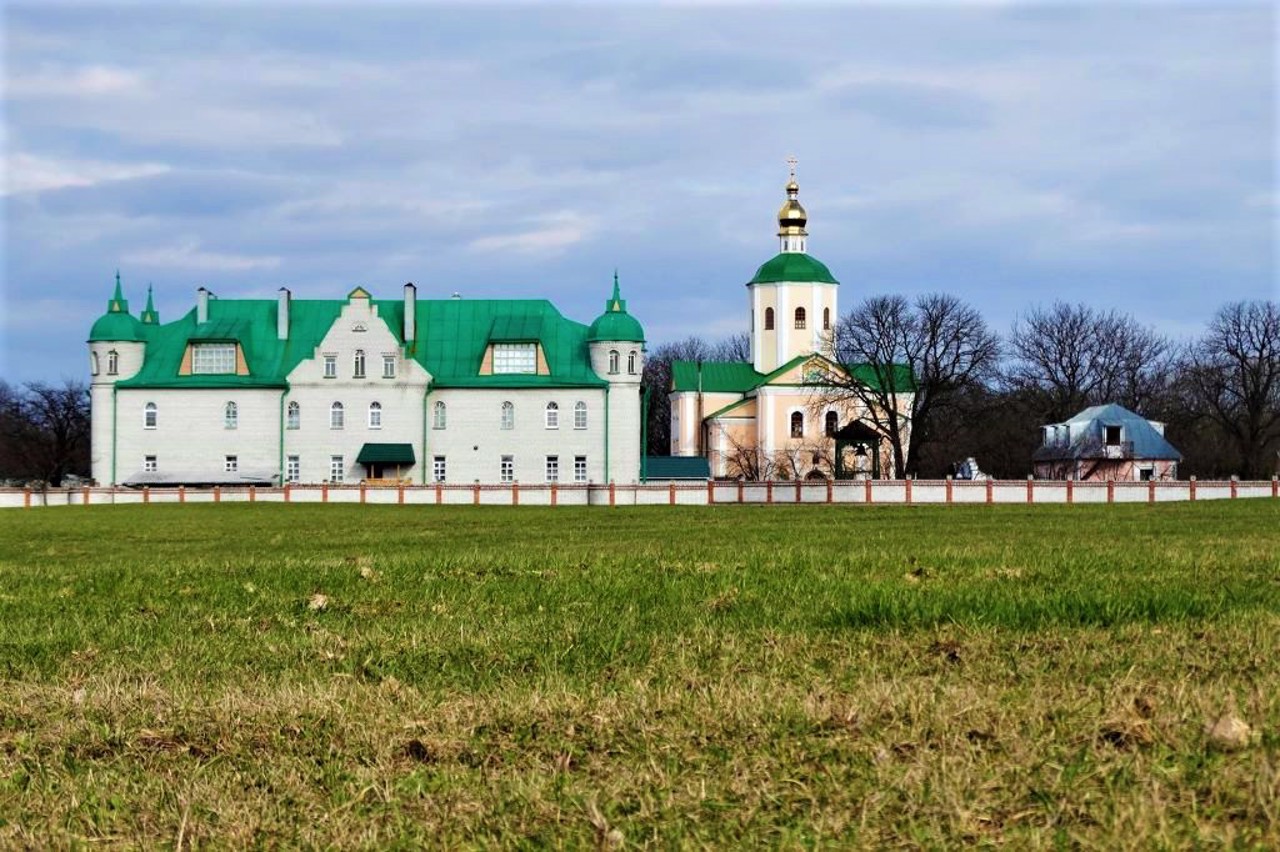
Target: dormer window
(1112, 435)
(213, 358)
(515, 358)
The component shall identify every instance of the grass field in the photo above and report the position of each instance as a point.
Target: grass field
(767, 676)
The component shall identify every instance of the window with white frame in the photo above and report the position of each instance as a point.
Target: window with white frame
(580, 415)
(293, 469)
(149, 414)
(439, 415)
(508, 415)
(331, 366)
(507, 470)
(293, 419)
(213, 358)
(93, 363)
(375, 415)
(113, 362)
(388, 366)
(149, 464)
(337, 469)
(613, 361)
(515, 357)
(337, 416)
(579, 468)
(231, 416)
(357, 368)
(438, 469)
(553, 415)
(232, 464)
(631, 362)
(553, 468)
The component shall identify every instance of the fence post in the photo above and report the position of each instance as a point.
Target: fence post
(475, 494)
(253, 493)
(217, 493)
(324, 493)
(949, 487)
(288, 492)
(1031, 488)
(1071, 491)
(991, 491)
(26, 497)
(1151, 491)
(182, 493)
(86, 495)
(1191, 495)
(515, 494)
(741, 491)
(1235, 486)
(831, 496)
(908, 481)
(768, 491)
(146, 494)
(798, 496)
(671, 494)
(555, 493)
(439, 493)
(1275, 486)
(362, 490)
(400, 494)
(613, 493)
(1111, 491)
(711, 492)
(866, 483)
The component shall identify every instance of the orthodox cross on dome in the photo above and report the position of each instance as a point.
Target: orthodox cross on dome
(792, 162)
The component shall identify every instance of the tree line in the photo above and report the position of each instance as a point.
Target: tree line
(978, 393)
(44, 432)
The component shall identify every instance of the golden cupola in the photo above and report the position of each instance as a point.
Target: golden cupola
(792, 217)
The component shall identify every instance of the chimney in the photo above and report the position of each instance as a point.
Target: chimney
(410, 311)
(282, 314)
(202, 306)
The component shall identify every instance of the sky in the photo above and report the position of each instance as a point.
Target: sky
(1009, 153)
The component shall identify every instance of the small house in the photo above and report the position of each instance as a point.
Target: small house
(1106, 442)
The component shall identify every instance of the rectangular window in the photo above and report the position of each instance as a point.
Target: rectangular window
(213, 358)
(149, 464)
(293, 469)
(579, 468)
(553, 468)
(438, 469)
(388, 366)
(508, 469)
(580, 416)
(515, 357)
(1113, 435)
(337, 469)
(232, 464)
(331, 366)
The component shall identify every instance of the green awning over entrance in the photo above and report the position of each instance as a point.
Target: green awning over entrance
(385, 454)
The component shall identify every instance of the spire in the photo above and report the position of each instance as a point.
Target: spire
(792, 216)
(118, 304)
(616, 303)
(149, 314)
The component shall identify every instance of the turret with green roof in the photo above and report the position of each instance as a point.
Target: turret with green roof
(117, 323)
(615, 323)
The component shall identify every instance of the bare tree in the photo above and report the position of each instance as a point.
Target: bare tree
(1067, 357)
(1232, 378)
(907, 364)
(45, 430)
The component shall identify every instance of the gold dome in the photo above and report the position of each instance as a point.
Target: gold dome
(792, 214)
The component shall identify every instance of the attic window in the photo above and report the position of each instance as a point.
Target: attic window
(515, 358)
(1112, 435)
(213, 358)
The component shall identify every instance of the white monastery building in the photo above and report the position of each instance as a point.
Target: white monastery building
(242, 391)
(778, 416)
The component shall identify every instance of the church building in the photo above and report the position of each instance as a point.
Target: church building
(779, 415)
(405, 390)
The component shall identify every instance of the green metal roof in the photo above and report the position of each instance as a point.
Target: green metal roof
(676, 467)
(615, 323)
(116, 325)
(516, 329)
(452, 337)
(792, 266)
(741, 377)
(385, 454)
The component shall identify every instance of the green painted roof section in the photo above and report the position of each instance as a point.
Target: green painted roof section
(385, 454)
(117, 323)
(516, 329)
(150, 316)
(720, 412)
(793, 266)
(615, 323)
(676, 467)
(452, 337)
(741, 377)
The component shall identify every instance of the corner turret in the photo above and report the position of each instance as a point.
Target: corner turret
(616, 341)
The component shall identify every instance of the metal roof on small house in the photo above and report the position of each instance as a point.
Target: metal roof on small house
(1084, 436)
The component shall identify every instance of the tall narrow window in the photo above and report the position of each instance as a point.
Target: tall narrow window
(553, 468)
(113, 362)
(375, 415)
(439, 415)
(93, 363)
(832, 424)
(579, 468)
(797, 424)
(826, 319)
(800, 318)
(149, 416)
(507, 471)
(337, 416)
(358, 364)
(331, 366)
(553, 415)
(438, 468)
(508, 415)
(631, 362)
(293, 420)
(293, 469)
(768, 319)
(580, 415)
(388, 366)
(613, 361)
(337, 469)
(231, 416)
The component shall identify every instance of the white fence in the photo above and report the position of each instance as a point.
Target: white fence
(899, 491)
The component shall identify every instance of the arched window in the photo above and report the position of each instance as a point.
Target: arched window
(799, 317)
(359, 364)
(149, 416)
(440, 416)
(294, 418)
(231, 416)
(832, 424)
(375, 415)
(113, 362)
(797, 424)
(631, 362)
(508, 415)
(553, 416)
(336, 416)
(768, 319)
(826, 319)
(93, 363)
(579, 415)
(613, 361)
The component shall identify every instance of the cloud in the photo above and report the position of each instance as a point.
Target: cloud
(555, 234)
(188, 256)
(64, 82)
(26, 173)
(912, 105)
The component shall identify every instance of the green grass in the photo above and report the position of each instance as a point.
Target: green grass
(724, 676)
